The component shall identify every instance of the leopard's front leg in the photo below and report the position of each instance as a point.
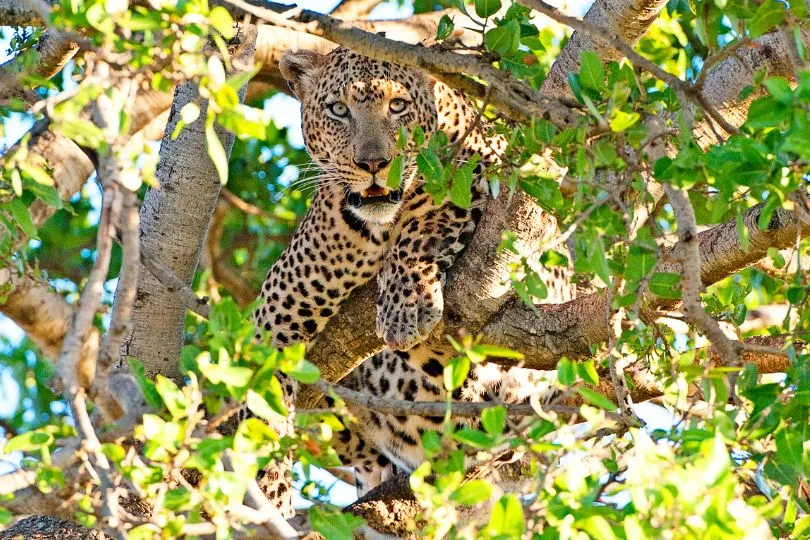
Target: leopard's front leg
(410, 301)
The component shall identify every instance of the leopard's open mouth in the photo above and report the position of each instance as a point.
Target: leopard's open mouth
(374, 195)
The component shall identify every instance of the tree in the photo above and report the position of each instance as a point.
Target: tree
(668, 139)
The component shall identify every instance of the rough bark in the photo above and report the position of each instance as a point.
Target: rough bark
(630, 18)
(273, 41)
(41, 312)
(569, 329)
(389, 507)
(49, 528)
(728, 78)
(174, 222)
(54, 50)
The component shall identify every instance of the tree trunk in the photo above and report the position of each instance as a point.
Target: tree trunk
(174, 222)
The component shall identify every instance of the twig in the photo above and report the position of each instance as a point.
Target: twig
(110, 352)
(437, 408)
(241, 204)
(514, 97)
(616, 361)
(173, 283)
(688, 250)
(612, 39)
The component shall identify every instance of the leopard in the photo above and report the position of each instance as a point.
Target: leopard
(354, 110)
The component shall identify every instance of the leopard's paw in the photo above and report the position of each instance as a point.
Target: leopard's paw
(408, 309)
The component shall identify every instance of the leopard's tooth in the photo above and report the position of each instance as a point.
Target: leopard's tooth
(385, 191)
(364, 193)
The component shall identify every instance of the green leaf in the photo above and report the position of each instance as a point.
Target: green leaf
(273, 394)
(573, 82)
(222, 21)
(779, 88)
(47, 194)
(474, 438)
(445, 28)
(789, 444)
(332, 523)
(799, 8)
(598, 259)
(150, 393)
(536, 286)
(666, 285)
(596, 527)
(305, 371)
(770, 13)
(172, 396)
(216, 152)
(19, 212)
(431, 442)
(497, 351)
(455, 372)
(596, 399)
(473, 492)
(494, 420)
(38, 174)
(485, 8)
(565, 372)
(505, 40)
(715, 463)
(395, 173)
(238, 120)
(115, 452)
(604, 154)
(802, 527)
(28, 442)
(461, 190)
(429, 165)
(591, 72)
(507, 518)
(622, 120)
(587, 371)
(234, 376)
(767, 112)
(259, 406)
(545, 190)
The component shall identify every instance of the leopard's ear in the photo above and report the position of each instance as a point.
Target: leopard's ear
(301, 69)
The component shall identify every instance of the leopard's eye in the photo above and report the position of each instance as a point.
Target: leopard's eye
(339, 109)
(398, 105)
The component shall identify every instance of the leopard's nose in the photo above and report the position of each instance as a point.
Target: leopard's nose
(372, 166)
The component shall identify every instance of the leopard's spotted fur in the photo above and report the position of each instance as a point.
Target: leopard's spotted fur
(408, 245)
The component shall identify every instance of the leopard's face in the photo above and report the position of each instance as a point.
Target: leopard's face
(354, 110)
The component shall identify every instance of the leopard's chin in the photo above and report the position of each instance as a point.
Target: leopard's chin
(375, 204)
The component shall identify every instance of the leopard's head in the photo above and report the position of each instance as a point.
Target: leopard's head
(353, 109)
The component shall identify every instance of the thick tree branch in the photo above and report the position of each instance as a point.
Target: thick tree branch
(509, 95)
(570, 329)
(174, 221)
(54, 50)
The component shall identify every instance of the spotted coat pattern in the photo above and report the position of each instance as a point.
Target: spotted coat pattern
(352, 115)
